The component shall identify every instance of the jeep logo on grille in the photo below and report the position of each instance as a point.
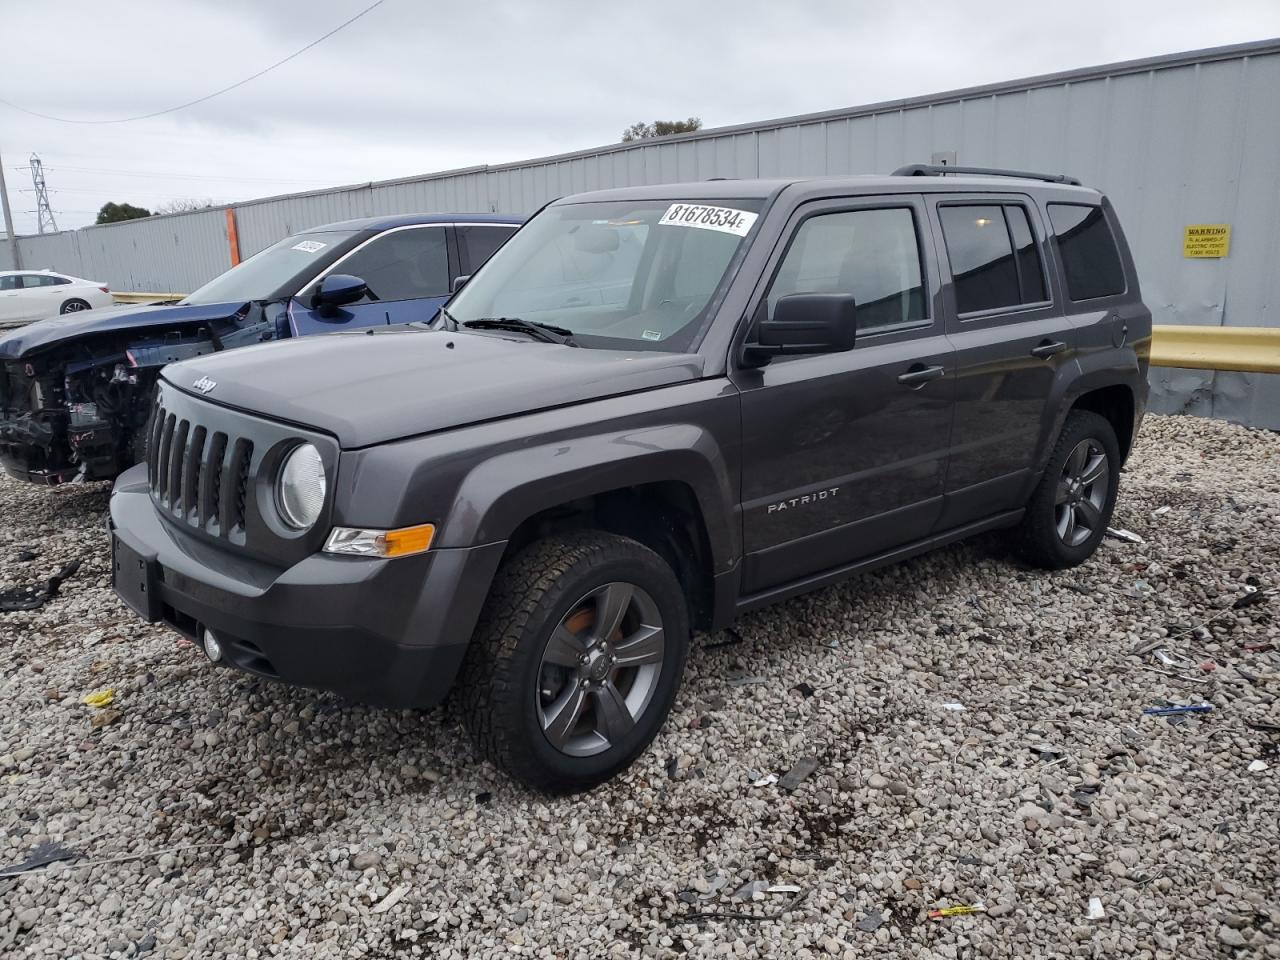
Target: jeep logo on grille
(204, 384)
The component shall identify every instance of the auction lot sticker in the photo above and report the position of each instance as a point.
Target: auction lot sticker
(724, 219)
(310, 246)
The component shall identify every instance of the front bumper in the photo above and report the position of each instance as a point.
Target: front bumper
(387, 632)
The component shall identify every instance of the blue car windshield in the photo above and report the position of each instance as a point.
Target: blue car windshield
(264, 274)
(635, 274)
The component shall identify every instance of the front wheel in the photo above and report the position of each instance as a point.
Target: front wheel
(1068, 513)
(576, 660)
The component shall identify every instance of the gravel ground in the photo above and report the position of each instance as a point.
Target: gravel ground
(309, 827)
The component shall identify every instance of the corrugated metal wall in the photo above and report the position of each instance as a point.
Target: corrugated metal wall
(1188, 138)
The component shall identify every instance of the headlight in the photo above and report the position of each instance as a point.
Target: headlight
(301, 488)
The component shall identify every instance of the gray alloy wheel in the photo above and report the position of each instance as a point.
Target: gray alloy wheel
(600, 669)
(74, 306)
(1082, 493)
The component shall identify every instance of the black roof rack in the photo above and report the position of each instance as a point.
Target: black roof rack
(941, 170)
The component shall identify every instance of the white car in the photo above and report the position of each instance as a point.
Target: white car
(32, 294)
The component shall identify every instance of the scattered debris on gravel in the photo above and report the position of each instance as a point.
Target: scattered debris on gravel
(217, 815)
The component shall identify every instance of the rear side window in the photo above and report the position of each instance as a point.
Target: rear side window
(479, 242)
(402, 264)
(872, 254)
(42, 280)
(1090, 257)
(995, 263)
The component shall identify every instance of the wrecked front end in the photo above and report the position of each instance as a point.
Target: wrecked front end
(77, 410)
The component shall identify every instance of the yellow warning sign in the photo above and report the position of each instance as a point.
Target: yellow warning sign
(1206, 240)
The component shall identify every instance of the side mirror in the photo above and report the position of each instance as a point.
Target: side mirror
(806, 323)
(337, 290)
(459, 283)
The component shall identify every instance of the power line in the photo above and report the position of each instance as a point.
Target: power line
(206, 97)
(150, 174)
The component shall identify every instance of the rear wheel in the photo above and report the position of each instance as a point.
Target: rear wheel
(75, 305)
(576, 660)
(1068, 513)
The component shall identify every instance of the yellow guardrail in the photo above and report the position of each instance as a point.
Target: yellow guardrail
(1248, 349)
(119, 297)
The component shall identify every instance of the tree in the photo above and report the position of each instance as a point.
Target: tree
(660, 128)
(116, 212)
(185, 205)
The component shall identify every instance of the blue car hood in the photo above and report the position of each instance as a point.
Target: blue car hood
(52, 331)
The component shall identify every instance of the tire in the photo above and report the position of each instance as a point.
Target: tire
(515, 677)
(75, 305)
(1068, 514)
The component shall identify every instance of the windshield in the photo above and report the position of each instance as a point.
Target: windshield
(263, 274)
(624, 275)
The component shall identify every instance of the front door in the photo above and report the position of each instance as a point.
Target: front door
(408, 272)
(844, 455)
(1011, 338)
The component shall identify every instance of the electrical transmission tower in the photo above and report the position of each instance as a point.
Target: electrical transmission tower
(44, 213)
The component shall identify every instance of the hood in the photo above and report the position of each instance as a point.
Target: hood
(372, 387)
(53, 331)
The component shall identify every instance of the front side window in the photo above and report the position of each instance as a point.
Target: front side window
(263, 275)
(872, 254)
(1088, 249)
(634, 274)
(995, 263)
(402, 264)
(9, 283)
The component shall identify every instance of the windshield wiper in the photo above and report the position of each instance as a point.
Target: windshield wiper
(546, 332)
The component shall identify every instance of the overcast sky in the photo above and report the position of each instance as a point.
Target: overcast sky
(418, 86)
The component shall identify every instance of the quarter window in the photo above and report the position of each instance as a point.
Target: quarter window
(479, 242)
(872, 254)
(1088, 249)
(402, 264)
(995, 263)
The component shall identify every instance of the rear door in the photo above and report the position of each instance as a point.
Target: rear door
(408, 270)
(1010, 335)
(42, 294)
(844, 455)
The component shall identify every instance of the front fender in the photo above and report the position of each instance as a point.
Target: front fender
(500, 493)
(477, 484)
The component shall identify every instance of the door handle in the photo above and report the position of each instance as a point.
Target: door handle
(919, 375)
(1047, 348)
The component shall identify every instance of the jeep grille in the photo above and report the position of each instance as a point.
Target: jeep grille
(199, 477)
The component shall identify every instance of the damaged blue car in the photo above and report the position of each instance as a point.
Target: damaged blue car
(75, 390)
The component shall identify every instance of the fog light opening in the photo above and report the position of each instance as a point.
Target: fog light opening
(212, 648)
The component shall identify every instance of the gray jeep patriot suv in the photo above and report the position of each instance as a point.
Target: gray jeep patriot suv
(653, 409)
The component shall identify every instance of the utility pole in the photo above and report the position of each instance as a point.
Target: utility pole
(8, 219)
(44, 212)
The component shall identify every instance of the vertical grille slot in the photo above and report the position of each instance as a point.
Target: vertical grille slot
(211, 481)
(235, 486)
(192, 473)
(154, 427)
(177, 452)
(162, 468)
